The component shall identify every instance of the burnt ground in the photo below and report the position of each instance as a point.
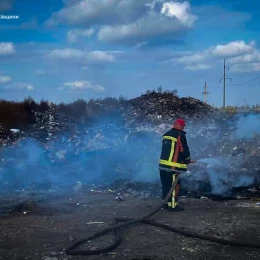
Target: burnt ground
(41, 225)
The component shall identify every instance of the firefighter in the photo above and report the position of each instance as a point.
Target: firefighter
(175, 155)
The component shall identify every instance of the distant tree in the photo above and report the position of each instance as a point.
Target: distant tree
(30, 104)
(159, 89)
(44, 106)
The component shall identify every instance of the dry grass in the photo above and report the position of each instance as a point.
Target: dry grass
(241, 109)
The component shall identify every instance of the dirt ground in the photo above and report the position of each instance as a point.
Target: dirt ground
(42, 227)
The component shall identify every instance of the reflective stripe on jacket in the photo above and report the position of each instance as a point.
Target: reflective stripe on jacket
(175, 152)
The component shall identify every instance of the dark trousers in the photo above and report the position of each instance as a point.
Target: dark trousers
(167, 179)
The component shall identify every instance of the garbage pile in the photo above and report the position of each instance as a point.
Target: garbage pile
(128, 147)
(149, 112)
(165, 107)
(10, 137)
(49, 124)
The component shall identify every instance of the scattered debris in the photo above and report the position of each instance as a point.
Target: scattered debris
(119, 198)
(15, 130)
(139, 127)
(49, 258)
(90, 223)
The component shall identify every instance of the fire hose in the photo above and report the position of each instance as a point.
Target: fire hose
(130, 221)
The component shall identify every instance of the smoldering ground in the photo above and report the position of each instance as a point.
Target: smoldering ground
(234, 160)
(105, 151)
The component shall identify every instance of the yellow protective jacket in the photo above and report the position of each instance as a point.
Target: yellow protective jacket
(175, 152)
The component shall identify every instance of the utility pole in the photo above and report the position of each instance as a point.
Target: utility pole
(205, 93)
(224, 85)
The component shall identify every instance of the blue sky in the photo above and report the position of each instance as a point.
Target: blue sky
(62, 50)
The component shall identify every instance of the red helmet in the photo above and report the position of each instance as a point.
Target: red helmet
(180, 122)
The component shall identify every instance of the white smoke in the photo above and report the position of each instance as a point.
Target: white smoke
(28, 162)
(247, 127)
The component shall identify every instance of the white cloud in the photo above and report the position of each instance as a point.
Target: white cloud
(74, 34)
(70, 54)
(172, 20)
(179, 10)
(6, 48)
(233, 49)
(5, 79)
(193, 58)
(246, 58)
(198, 67)
(100, 56)
(21, 86)
(80, 56)
(92, 12)
(82, 85)
(246, 67)
(242, 57)
(127, 21)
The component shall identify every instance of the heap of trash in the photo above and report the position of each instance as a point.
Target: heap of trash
(128, 146)
(165, 107)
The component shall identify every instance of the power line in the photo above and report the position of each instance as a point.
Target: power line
(245, 82)
(224, 85)
(214, 89)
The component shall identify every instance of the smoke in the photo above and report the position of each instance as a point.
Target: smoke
(25, 163)
(28, 163)
(223, 176)
(105, 151)
(247, 127)
(227, 163)
(97, 154)
(217, 175)
(143, 151)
